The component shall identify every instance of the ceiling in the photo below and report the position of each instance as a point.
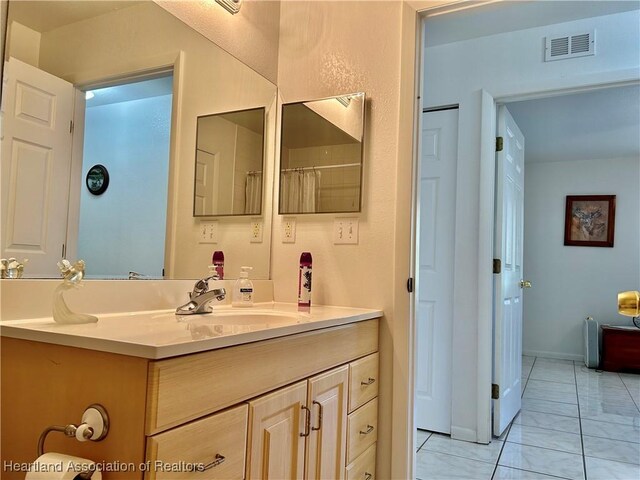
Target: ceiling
(509, 16)
(599, 124)
(131, 91)
(305, 128)
(37, 16)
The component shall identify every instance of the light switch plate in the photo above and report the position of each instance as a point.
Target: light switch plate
(256, 231)
(288, 230)
(209, 232)
(345, 231)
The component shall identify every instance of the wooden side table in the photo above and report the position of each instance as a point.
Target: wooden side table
(620, 348)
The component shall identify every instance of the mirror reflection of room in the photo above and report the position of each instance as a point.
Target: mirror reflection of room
(321, 155)
(228, 175)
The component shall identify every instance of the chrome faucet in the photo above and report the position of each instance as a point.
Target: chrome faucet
(201, 296)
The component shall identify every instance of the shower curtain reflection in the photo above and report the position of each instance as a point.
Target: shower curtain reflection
(299, 190)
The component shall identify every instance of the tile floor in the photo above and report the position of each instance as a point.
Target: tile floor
(575, 423)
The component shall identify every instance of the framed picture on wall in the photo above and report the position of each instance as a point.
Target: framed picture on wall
(590, 220)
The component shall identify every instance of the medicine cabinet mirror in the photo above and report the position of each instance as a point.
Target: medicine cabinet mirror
(134, 79)
(229, 164)
(321, 155)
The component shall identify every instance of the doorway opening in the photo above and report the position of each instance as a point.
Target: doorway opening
(455, 71)
(127, 130)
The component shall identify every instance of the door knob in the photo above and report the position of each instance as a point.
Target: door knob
(525, 284)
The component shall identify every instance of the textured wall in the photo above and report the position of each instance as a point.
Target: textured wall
(332, 48)
(251, 35)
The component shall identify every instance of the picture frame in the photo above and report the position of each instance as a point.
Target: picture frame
(97, 179)
(590, 220)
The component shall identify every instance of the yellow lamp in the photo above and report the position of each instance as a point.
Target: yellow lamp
(629, 305)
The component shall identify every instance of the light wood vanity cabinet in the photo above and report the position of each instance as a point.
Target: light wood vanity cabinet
(291, 407)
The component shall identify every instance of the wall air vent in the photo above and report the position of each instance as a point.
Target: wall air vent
(570, 46)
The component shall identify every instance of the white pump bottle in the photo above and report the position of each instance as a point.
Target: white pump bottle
(243, 289)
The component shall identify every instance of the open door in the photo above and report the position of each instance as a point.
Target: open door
(37, 109)
(435, 257)
(508, 284)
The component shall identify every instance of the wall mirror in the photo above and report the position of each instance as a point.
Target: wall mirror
(321, 155)
(229, 163)
(133, 79)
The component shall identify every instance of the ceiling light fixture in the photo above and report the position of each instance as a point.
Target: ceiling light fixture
(89, 95)
(231, 6)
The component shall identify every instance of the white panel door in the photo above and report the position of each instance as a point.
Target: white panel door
(435, 257)
(206, 182)
(36, 161)
(507, 355)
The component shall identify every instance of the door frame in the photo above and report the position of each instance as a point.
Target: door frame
(145, 69)
(404, 342)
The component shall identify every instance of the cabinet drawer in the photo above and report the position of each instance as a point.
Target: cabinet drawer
(201, 443)
(363, 381)
(362, 429)
(363, 467)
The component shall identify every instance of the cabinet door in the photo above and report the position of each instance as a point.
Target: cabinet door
(276, 428)
(326, 444)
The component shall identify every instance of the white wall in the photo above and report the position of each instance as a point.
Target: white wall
(571, 283)
(505, 65)
(131, 139)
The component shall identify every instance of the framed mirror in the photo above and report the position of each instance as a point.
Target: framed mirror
(229, 164)
(321, 155)
(133, 79)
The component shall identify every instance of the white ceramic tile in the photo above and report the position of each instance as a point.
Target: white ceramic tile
(620, 407)
(508, 473)
(626, 433)
(553, 375)
(545, 406)
(421, 437)
(549, 421)
(547, 386)
(552, 361)
(542, 460)
(612, 449)
(432, 465)
(541, 437)
(612, 396)
(474, 451)
(599, 469)
(569, 398)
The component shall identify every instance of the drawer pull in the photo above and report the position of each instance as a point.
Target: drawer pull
(370, 428)
(307, 421)
(319, 416)
(367, 476)
(368, 382)
(216, 461)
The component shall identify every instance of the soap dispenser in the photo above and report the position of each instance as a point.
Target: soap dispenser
(243, 289)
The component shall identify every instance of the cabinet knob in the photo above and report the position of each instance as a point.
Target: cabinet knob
(367, 476)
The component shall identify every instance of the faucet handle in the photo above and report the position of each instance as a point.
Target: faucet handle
(202, 285)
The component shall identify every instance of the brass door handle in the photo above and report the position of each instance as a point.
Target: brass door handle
(525, 284)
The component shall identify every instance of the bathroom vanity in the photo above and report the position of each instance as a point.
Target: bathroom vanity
(266, 393)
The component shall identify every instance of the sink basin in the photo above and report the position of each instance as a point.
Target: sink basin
(246, 317)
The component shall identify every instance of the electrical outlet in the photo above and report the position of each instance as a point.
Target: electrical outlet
(256, 231)
(208, 232)
(288, 230)
(345, 231)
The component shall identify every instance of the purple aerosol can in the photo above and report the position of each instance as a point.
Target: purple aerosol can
(304, 282)
(218, 263)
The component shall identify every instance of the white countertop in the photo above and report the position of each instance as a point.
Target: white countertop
(162, 334)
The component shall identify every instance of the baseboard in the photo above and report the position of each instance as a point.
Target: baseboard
(466, 434)
(555, 355)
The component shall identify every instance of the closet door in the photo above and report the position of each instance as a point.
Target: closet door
(277, 431)
(327, 441)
